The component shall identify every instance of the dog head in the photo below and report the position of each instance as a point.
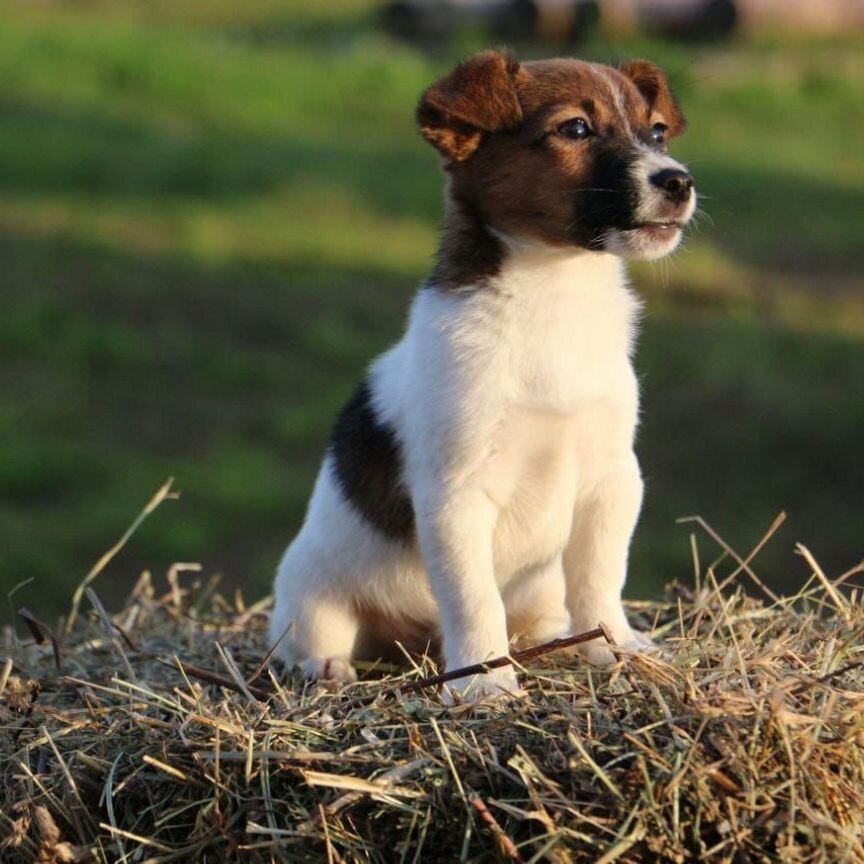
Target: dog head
(564, 151)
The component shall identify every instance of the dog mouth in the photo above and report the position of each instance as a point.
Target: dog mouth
(664, 227)
(645, 240)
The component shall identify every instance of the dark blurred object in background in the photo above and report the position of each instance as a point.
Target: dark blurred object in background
(560, 21)
(421, 20)
(688, 19)
(570, 21)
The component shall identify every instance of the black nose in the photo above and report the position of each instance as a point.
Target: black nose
(677, 184)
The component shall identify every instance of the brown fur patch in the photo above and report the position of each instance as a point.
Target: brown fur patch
(651, 82)
(477, 96)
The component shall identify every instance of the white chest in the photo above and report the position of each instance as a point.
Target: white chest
(532, 475)
(569, 350)
(520, 386)
(553, 334)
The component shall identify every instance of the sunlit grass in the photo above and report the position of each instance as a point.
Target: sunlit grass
(172, 735)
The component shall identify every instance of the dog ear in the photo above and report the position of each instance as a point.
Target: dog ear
(651, 82)
(478, 96)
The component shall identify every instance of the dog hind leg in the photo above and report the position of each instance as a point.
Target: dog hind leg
(316, 629)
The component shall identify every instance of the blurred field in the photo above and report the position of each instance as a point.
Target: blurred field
(212, 215)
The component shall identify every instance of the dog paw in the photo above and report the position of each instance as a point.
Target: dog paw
(642, 643)
(329, 669)
(495, 684)
(599, 652)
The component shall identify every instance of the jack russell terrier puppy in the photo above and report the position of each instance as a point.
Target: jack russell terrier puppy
(480, 484)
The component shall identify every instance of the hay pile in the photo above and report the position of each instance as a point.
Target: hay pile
(743, 741)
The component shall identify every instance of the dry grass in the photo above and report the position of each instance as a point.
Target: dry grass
(743, 741)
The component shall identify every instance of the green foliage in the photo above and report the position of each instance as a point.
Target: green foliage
(213, 215)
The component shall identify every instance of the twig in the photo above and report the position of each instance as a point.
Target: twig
(215, 678)
(267, 657)
(262, 694)
(476, 669)
(743, 563)
(840, 602)
(164, 492)
(234, 672)
(40, 631)
(806, 684)
(505, 845)
(109, 627)
(507, 660)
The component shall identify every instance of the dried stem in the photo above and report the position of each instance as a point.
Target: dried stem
(507, 660)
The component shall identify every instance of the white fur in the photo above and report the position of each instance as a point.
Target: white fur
(515, 405)
(637, 243)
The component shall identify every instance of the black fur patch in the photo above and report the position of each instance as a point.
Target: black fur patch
(469, 254)
(367, 461)
(611, 201)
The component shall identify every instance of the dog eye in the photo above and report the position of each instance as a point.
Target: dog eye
(658, 133)
(576, 128)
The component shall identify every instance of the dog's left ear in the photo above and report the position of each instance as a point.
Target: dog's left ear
(477, 97)
(651, 82)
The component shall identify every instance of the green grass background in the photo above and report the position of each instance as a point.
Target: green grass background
(212, 215)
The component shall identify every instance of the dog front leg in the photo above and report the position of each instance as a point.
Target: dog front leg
(455, 535)
(595, 561)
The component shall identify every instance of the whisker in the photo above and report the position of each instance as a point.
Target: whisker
(701, 215)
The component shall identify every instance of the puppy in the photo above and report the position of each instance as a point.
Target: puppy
(480, 484)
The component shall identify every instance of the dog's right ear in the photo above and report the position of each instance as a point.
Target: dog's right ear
(478, 96)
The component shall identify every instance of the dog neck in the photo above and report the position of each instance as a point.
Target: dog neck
(473, 255)
(470, 252)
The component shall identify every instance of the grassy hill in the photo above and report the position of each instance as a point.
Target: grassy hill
(212, 215)
(163, 739)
